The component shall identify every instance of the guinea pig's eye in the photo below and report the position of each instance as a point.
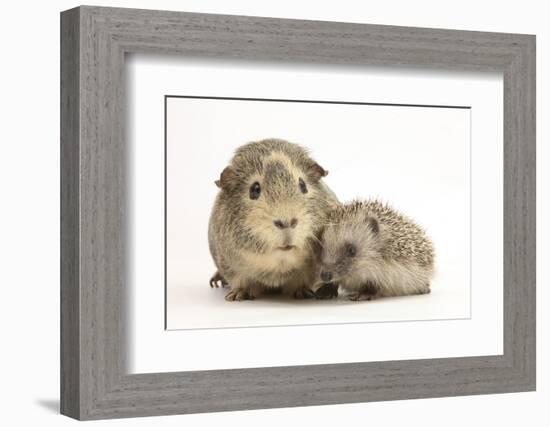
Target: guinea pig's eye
(303, 186)
(350, 250)
(255, 191)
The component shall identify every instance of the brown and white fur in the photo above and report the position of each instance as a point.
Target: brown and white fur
(266, 221)
(370, 250)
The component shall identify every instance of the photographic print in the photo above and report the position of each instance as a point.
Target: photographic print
(284, 212)
(290, 213)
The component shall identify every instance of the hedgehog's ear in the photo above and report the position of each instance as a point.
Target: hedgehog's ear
(318, 171)
(373, 224)
(226, 178)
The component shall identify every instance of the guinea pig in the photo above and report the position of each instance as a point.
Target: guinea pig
(370, 250)
(266, 220)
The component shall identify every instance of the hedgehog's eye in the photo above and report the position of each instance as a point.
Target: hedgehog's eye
(255, 190)
(350, 250)
(303, 186)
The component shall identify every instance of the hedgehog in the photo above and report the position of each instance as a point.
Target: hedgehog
(371, 250)
(267, 219)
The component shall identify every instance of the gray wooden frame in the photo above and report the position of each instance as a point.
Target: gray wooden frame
(94, 41)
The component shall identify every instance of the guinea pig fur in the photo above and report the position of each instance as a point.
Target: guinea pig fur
(267, 217)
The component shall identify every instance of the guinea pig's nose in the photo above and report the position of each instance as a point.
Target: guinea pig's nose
(280, 224)
(285, 224)
(326, 276)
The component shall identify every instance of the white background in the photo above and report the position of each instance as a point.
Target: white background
(29, 176)
(416, 158)
(442, 135)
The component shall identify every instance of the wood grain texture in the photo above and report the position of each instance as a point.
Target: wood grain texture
(70, 221)
(94, 382)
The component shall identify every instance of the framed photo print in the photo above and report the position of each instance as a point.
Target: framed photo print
(262, 213)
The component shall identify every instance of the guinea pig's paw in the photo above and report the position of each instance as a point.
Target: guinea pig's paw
(304, 293)
(327, 291)
(239, 295)
(218, 280)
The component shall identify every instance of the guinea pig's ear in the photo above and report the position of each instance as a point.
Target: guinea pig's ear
(226, 178)
(318, 171)
(373, 224)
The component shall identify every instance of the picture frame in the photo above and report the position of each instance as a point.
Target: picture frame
(94, 268)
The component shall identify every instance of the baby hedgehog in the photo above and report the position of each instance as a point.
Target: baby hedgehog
(370, 250)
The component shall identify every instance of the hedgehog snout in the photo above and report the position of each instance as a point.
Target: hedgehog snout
(326, 276)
